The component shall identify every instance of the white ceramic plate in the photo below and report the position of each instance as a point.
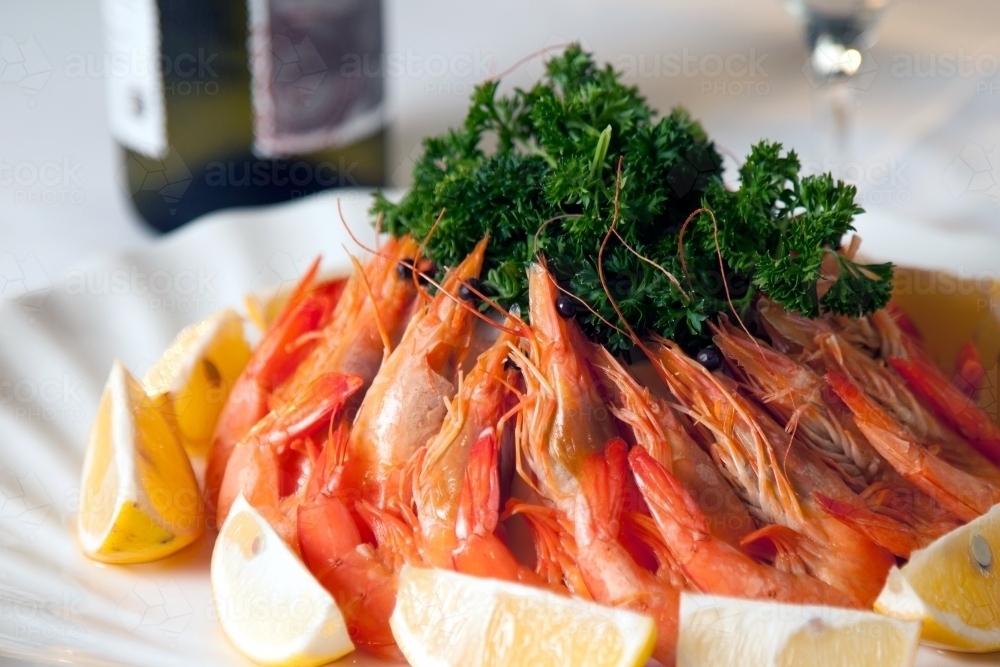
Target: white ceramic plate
(57, 342)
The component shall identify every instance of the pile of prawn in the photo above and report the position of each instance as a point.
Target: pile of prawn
(376, 426)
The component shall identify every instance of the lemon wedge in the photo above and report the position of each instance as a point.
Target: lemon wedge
(953, 586)
(269, 605)
(139, 500)
(445, 618)
(192, 379)
(729, 632)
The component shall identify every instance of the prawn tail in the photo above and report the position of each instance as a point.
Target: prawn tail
(949, 403)
(555, 548)
(970, 376)
(678, 517)
(602, 484)
(478, 507)
(480, 550)
(883, 530)
(782, 546)
(644, 529)
(263, 466)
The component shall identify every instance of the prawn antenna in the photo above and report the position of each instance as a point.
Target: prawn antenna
(377, 252)
(541, 227)
(420, 251)
(680, 245)
(725, 284)
(600, 264)
(430, 280)
(383, 334)
(671, 277)
(531, 56)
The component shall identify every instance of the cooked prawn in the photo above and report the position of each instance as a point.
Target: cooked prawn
(800, 398)
(376, 304)
(405, 405)
(657, 428)
(571, 446)
(281, 349)
(474, 419)
(709, 562)
(270, 465)
(780, 480)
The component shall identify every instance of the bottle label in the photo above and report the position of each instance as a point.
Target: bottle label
(316, 72)
(136, 107)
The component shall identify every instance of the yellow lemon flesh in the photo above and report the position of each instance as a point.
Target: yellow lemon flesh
(445, 618)
(953, 586)
(192, 379)
(729, 632)
(139, 499)
(269, 605)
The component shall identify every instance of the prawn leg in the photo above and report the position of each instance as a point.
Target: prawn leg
(711, 564)
(964, 495)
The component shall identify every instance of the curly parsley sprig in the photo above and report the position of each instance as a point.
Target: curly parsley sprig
(552, 175)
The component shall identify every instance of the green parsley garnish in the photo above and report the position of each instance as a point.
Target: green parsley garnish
(555, 167)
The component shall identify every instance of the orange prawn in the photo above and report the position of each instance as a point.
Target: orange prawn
(281, 349)
(781, 482)
(572, 447)
(372, 313)
(356, 526)
(798, 397)
(474, 421)
(713, 565)
(270, 465)
(405, 405)
(950, 403)
(360, 575)
(657, 428)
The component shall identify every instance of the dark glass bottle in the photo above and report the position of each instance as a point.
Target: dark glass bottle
(258, 107)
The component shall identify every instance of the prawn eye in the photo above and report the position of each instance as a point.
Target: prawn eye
(709, 358)
(565, 306)
(467, 294)
(405, 268)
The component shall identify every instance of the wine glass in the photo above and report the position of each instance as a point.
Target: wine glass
(837, 34)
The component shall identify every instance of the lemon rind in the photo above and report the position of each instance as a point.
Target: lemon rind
(130, 490)
(328, 623)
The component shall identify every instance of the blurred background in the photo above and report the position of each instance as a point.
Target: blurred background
(914, 126)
